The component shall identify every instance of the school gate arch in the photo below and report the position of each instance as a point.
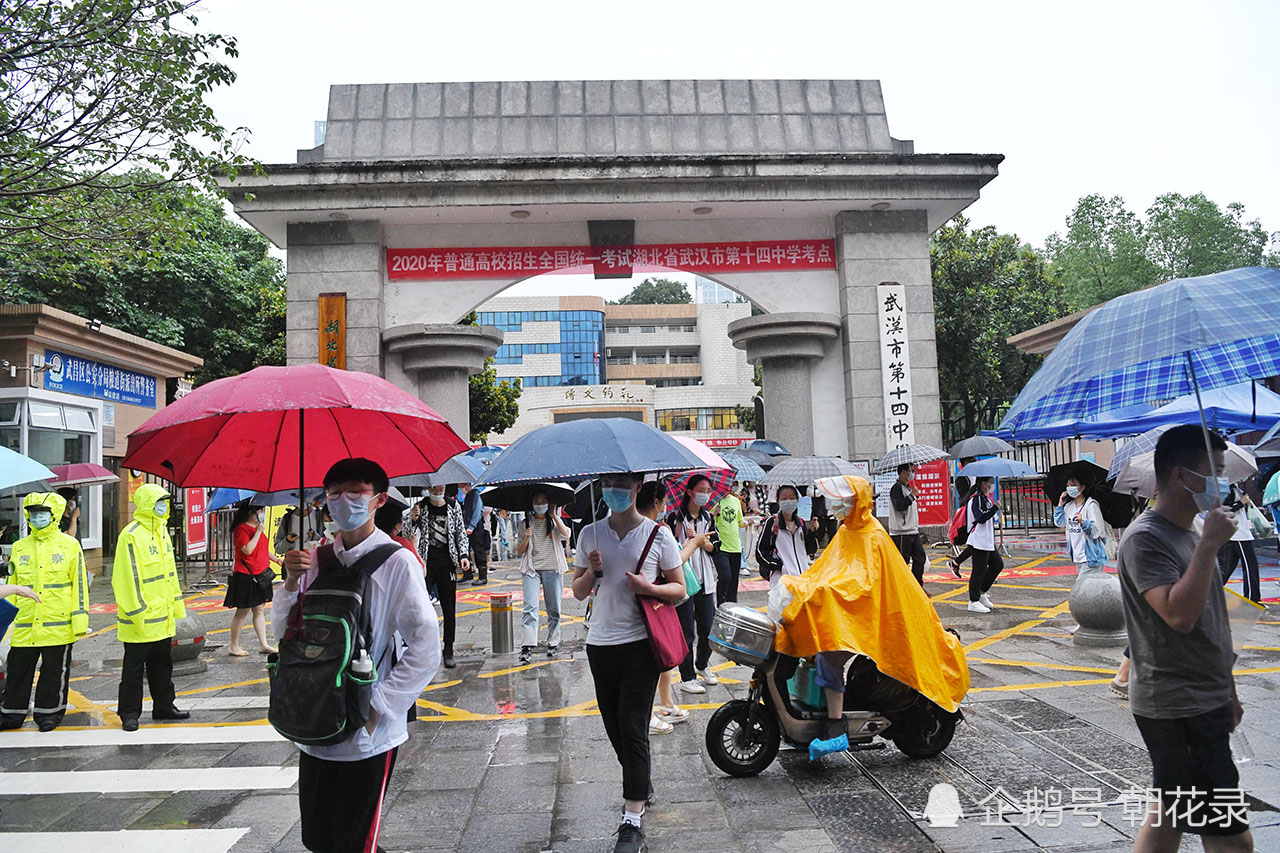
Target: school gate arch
(533, 168)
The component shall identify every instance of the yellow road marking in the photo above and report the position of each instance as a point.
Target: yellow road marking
(1045, 616)
(521, 668)
(1257, 648)
(1046, 685)
(222, 686)
(999, 662)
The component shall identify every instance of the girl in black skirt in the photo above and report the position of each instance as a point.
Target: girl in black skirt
(250, 586)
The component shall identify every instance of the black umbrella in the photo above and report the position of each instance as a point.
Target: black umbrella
(1117, 509)
(764, 460)
(519, 498)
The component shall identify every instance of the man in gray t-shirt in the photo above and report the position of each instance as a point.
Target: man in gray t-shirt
(1181, 688)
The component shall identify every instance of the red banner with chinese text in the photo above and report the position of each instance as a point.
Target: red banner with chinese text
(932, 484)
(504, 262)
(197, 526)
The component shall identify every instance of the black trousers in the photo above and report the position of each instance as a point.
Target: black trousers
(625, 678)
(481, 542)
(698, 612)
(51, 689)
(447, 592)
(1230, 556)
(987, 566)
(156, 658)
(341, 802)
(912, 548)
(728, 564)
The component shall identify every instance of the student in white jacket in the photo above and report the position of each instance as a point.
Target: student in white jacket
(1082, 517)
(341, 787)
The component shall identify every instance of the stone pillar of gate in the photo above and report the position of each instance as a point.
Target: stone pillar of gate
(436, 360)
(335, 257)
(874, 247)
(786, 346)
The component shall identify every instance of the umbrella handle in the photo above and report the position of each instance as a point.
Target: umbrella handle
(1204, 425)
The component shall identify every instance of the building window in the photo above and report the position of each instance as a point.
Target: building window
(648, 330)
(677, 420)
(620, 330)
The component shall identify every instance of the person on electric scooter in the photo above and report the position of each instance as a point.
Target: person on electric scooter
(860, 598)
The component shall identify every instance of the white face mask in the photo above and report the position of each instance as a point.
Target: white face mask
(788, 506)
(438, 500)
(262, 515)
(702, 498)
(1073, 491)
(540, 509)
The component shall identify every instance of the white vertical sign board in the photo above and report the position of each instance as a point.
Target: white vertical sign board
(895, 365)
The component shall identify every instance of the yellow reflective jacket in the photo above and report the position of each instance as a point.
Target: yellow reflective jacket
(860, 596)
(145, 579)
(51, 563)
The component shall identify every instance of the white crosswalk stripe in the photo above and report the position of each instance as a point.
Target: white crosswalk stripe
(125, 841)
(143, 736)
(168, 779)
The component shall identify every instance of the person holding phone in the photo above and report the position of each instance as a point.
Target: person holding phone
(543, 564)
(697, 612)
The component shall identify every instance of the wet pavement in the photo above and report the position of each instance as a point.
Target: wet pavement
(506, 757)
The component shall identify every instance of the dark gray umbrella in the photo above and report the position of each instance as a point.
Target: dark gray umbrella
(802, 470)
(979, 445)
(764, 460)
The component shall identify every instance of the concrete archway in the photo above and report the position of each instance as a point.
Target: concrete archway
(539, 165)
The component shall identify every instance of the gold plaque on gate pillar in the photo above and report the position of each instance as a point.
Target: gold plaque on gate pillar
(333, 330)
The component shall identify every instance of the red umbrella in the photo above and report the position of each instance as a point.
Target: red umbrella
(277, 428)
(82, 474)
(721, 485)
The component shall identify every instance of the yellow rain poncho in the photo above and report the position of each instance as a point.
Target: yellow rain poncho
(860, 596)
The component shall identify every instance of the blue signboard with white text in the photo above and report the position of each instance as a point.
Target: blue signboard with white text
(75, 375)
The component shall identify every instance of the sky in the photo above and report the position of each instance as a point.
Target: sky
(1120, 98)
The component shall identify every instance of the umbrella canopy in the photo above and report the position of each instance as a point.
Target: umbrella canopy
(762, 459)
(220, 498)
(979, 445)
(18, 471)
(1247, 406)
(485, 453)
(82, 474)
(1087, 473)
(520, 498)
(1268, 446)
(745, 467)
(913, 454)
(706, 454)
(763, 445)
(587, 448)
(276, 428)
(1272, 493)
(802, 470)
(1072, 428)
(997, 468)
(463, 468)
(1139, 476)
(397, 499)
(1157, 344)
(721, 485)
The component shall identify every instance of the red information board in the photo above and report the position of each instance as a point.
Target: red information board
(507, 261)
(933, 493)
(197, 522)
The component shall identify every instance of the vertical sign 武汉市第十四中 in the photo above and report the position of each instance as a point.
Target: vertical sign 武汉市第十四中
(333, 330)
(895, 365)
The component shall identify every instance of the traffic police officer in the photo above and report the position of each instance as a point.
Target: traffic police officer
(51, 563)
(148, 605)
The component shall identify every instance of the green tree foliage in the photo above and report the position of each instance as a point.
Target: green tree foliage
(214, 291)
(747, 414)
(88, 87)
(657, 291)
(986, 287)
(1108, 251)
(494, 402)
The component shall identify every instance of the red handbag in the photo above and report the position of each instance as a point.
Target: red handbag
(666, 637)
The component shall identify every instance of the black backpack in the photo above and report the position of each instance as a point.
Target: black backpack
(317, 698)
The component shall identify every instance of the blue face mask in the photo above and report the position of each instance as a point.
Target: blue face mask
(40, 519)
(349, 512)
(1215, 492)
(618, 500)
(162, 509)
(1073, 491)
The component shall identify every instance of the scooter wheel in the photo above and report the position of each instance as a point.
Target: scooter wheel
(924, 730)
(742, 737)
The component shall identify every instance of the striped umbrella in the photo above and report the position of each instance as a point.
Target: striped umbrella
(910, 454)
(801, 470)
(747, 468)
(721, 485)
(1135, 446)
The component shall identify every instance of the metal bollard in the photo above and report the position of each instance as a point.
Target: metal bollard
(500, 626)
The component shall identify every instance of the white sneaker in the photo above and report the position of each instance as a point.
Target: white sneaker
(744, 572)
(708, 677)
(978, 607)
(986, 602)
(692, 686)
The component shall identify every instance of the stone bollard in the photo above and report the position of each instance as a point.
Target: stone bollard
(188, 643)
(1097, 607)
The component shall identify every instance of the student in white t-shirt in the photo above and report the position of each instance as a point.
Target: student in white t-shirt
(618, 650)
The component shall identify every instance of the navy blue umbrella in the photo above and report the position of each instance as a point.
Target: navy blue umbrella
(584, 449)
(997, 468)
(764, 445)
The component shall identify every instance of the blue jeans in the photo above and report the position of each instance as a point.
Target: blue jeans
(552, 584)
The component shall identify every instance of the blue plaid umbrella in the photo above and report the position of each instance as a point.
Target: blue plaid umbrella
(747, 468)
(1136, 446)
(1156, 344)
